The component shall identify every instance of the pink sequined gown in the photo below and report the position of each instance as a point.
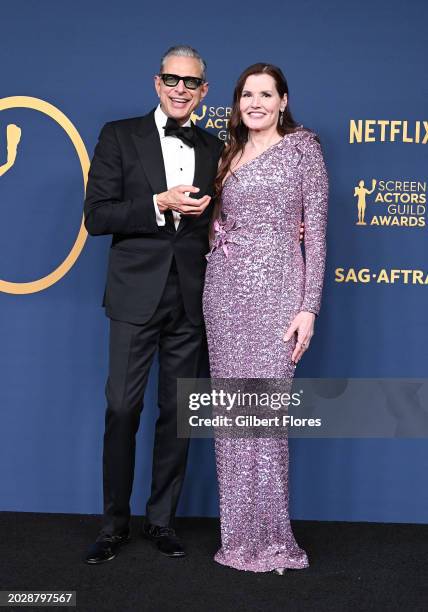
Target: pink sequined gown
(256, 282)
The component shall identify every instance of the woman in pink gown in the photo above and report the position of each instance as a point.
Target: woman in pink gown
(260, 301)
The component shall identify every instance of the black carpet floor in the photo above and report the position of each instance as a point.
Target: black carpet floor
(354, 566)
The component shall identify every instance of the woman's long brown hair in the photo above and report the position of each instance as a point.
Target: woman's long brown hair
(238, 132)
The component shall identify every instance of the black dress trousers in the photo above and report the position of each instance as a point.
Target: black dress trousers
(132, 348)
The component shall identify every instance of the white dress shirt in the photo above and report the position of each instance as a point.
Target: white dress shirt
(179, 162)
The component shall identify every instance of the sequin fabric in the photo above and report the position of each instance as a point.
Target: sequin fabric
(256, 282)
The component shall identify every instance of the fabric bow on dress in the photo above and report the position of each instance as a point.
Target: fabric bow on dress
(223, 229)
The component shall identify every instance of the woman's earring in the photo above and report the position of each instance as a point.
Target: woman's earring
(281, 118)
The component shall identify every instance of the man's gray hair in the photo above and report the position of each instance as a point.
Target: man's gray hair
(184, 51)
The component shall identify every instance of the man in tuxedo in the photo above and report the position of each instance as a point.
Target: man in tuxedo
(150, 186)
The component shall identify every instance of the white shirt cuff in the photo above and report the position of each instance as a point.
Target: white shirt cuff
(160, 217)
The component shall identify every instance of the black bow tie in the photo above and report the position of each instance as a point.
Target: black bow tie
(185, 134)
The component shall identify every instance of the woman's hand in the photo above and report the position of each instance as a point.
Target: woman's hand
(303, 325)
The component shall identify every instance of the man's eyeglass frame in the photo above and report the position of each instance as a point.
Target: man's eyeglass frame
(172, 80)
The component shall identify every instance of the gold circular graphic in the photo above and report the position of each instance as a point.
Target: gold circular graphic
(54, 113)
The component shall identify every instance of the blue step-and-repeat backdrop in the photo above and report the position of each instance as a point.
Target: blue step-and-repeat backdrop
(357, 76)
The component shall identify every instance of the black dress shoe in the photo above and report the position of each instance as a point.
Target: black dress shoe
(106, 548)
(165, 539)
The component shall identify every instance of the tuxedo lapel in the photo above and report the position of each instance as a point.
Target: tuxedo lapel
(203, 172)
(147, 142)
(203, 166)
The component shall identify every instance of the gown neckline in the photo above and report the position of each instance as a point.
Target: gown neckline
(255, 158)
(273, 146)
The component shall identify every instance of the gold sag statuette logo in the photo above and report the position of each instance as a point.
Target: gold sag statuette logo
(214, 118)
(194, 117)
(13, 134)
(361, 192)
(396, 203)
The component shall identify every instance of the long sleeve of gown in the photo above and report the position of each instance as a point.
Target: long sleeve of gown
(315, 202)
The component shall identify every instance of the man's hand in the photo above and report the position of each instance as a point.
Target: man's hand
(177, 199)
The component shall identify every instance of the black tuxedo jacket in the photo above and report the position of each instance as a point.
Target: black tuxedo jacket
(126, 171)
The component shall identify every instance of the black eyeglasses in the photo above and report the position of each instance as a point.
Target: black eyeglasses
(190, 82)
